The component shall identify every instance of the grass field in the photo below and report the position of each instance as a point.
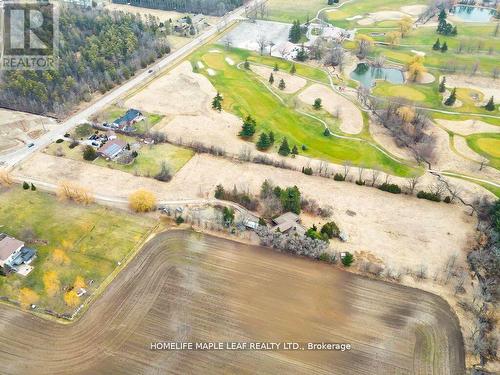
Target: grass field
(479, 45)
(487, 145)
(289, 11)
(147, 163)
(94, 239)
(112, 112)
(245, 94)
(362, 8)
(427, 95)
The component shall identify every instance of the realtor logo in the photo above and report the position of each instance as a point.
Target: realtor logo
(29, 35)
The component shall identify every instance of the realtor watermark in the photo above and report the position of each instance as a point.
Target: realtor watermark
(256, 346)
(29, 35)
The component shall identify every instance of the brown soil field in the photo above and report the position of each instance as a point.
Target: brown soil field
(187, 287)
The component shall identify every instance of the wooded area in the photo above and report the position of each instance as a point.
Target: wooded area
(212, 7)
(98, 50)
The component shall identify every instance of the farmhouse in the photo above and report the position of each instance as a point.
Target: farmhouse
(112, 149)
(125, 122)
(14, 255)
(289, 222)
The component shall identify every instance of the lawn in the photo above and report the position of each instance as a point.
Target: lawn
(94, 239)
(245, 94)
(112, 112)
(362, 8)
(289, 11)
(487, 145)
(147, 163)
(479, 45)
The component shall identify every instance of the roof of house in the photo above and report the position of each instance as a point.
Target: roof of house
(8, 245)
(287, 217)
(129, 116)
(289, 225)
(24, 256)
(111, 148)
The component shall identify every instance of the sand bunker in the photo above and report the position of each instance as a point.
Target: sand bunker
(381, 16)
(293, 83)
(468, 127)
(351, 120)
(229, 60)
(484, 84)
(210, 72)
(200, 65)
(179, 92)
(419, 53)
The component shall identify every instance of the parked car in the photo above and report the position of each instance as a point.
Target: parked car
(31, 145)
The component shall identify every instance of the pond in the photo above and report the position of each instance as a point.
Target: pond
(366, 75)
(473, 14)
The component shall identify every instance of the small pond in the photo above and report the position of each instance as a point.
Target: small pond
(366, 75)
(473, 14)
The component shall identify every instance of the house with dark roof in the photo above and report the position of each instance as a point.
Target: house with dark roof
(125, 122)
(14, 255)
(111, 149)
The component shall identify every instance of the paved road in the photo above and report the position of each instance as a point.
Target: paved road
(14, 158)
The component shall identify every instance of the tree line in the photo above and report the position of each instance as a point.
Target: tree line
(98, 49)
(212, 7)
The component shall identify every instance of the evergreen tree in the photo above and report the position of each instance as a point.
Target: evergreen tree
(271, 79)
(26, 186)
(317, 103)
(33, 187)
(295, 150)
(89, 153)
(246, 65)
(444, 47)
(284, 148)
(264, 142)
(282, 84)
(452, 98)
(437, 45)
(248, 127)
(442, 85)
(490, 106)
(302, 54)
(216, 102)
(442, 15)
(293, 69)
(295, 32)
(454, 31)
(271, 137)
(275, 67)
(290, 199)
(347, 259)
(326, 133)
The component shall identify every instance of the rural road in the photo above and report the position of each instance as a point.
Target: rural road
(14, 158)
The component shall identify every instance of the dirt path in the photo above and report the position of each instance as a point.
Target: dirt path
(187, 287)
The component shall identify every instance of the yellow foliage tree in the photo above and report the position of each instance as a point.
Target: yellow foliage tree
(5, 178)
(405, 25)
(27, 297)
(393, 38)
(71, 191)
(142, 201)
(364, 42)
(79, 282)
(71, 298)
(51, 283)
(407, 114)
(416, 68)
(60, 257)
